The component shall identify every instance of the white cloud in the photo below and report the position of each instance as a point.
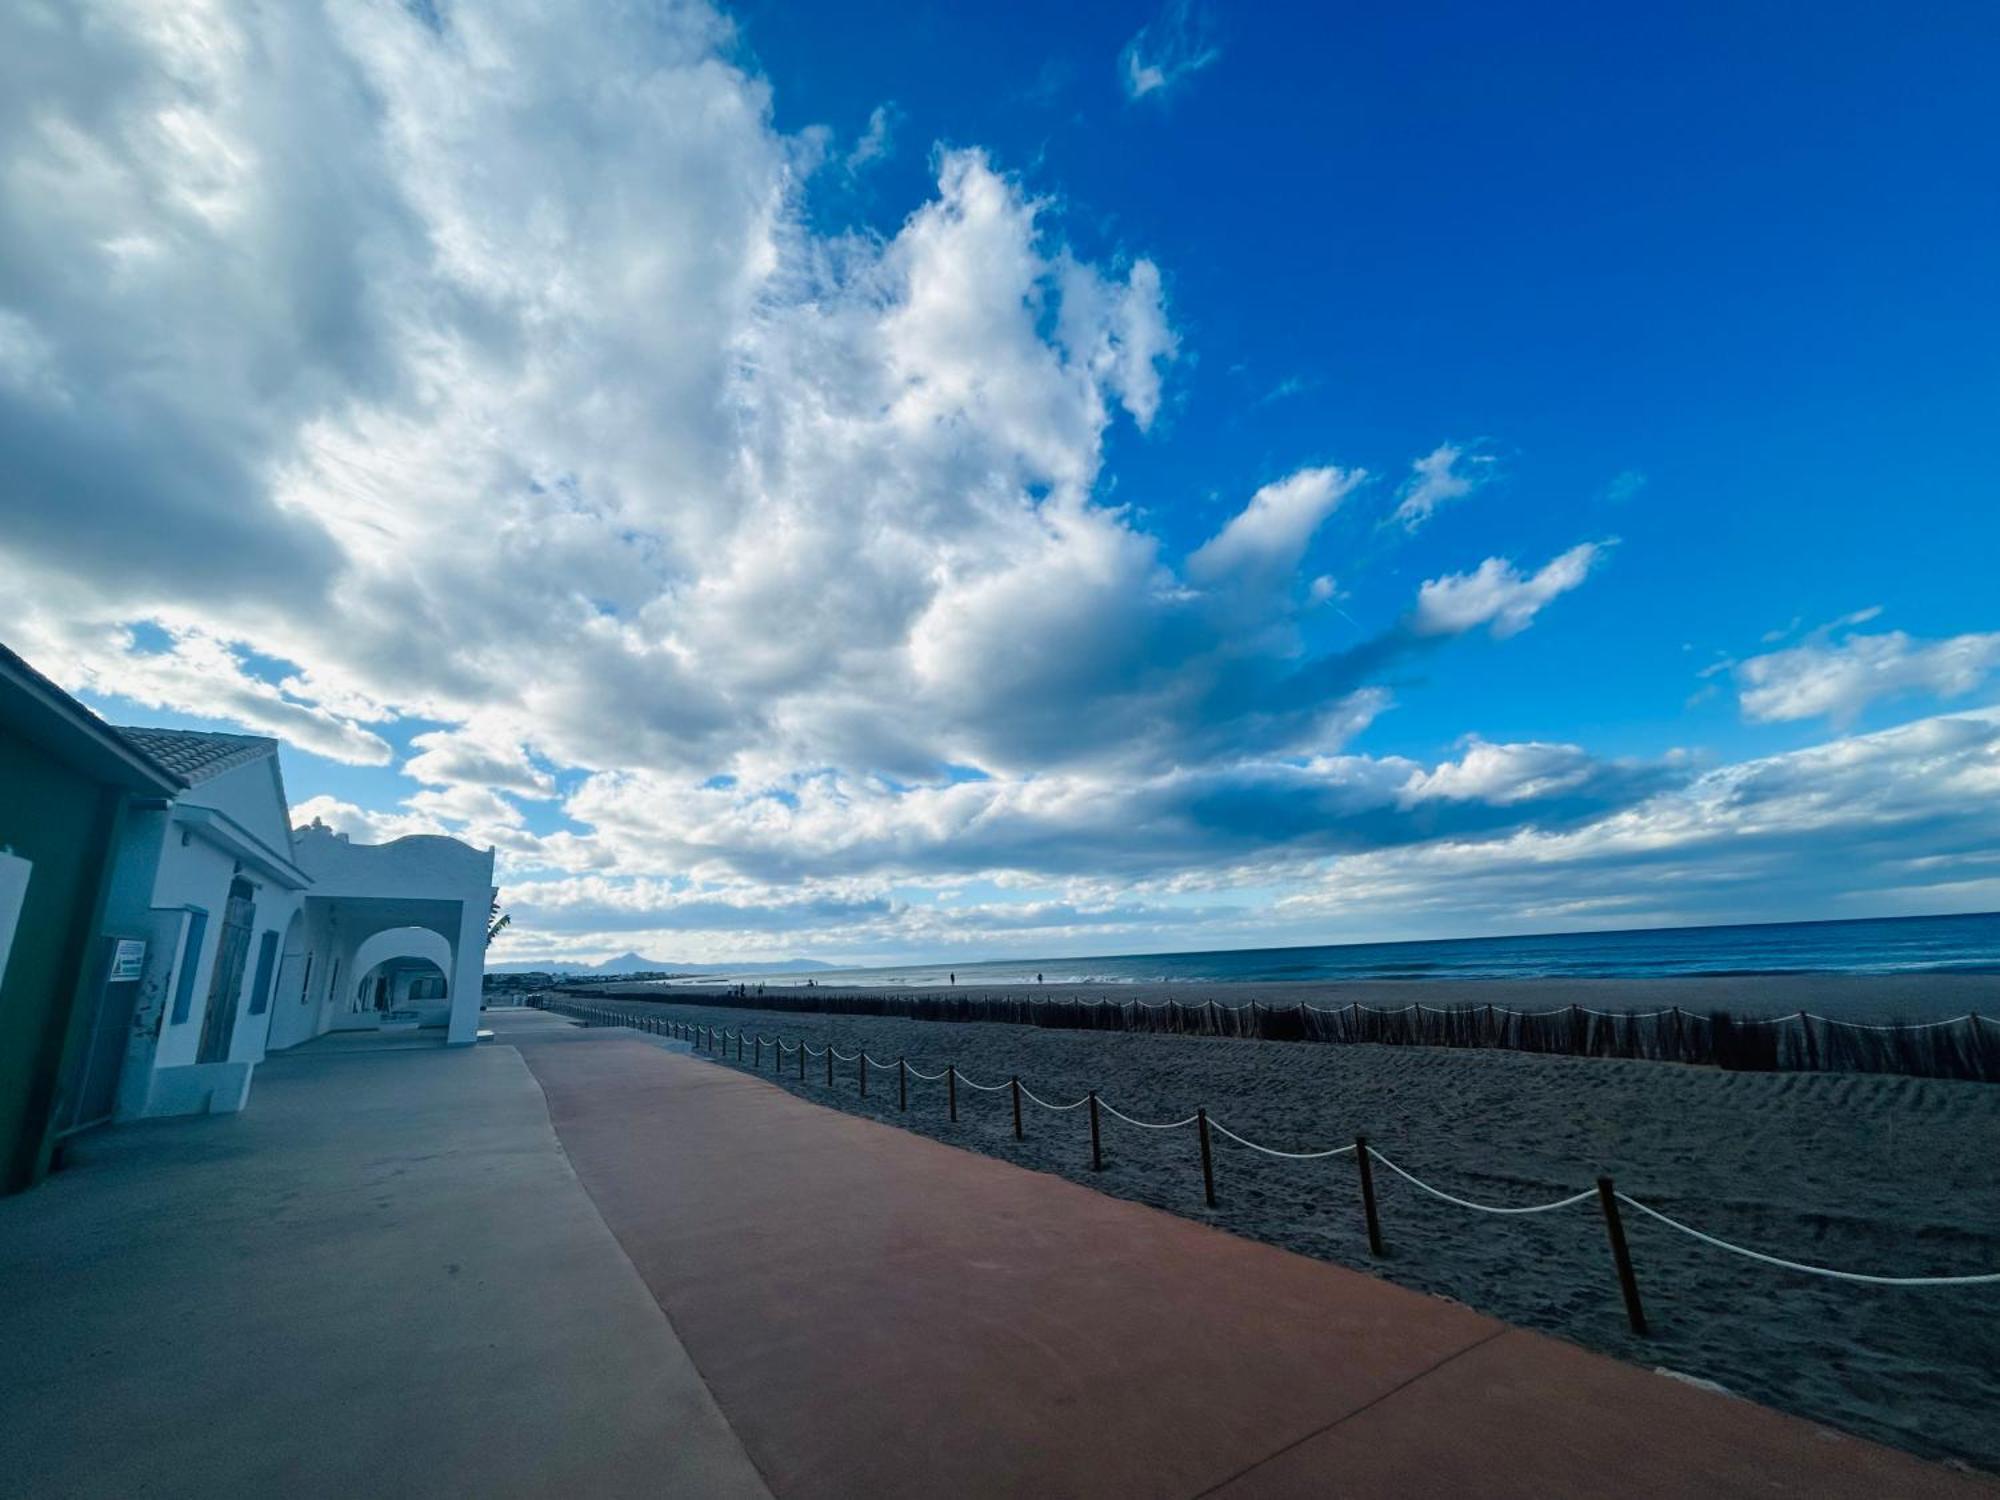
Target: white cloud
(1170, 48)
(481, 757)
(1503, 774)
(1497, 594)
(1269, 535)
(193, 671)
(877, 141)
(1904, 820)
(488, 379)
(1504, 837)
(360, 824)
(1837, 679)
(1438, 479)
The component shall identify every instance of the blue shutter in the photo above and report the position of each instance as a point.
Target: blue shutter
(190, 961)
(260, 990)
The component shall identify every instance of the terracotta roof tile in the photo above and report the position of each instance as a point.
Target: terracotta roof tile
(197, 754)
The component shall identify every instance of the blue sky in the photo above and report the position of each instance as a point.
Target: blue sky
(902, 482)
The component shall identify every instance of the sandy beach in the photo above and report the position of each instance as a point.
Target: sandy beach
(1880, 1174)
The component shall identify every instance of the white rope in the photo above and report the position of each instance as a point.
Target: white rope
(840, 1056)
(814, 1051)
(1484, 1208)
(1273, 1151)
(1057, 1107)
(984, 1088)
(927, 1077)
(1147, 1124)
(877, 1062)
(1794, 1265)
(1899, 1025)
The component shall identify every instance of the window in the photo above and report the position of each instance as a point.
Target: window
(260, 987)
(197, 929)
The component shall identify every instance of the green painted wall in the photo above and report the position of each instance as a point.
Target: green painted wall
(63, 822)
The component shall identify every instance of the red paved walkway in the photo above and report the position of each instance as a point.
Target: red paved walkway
(881, 1315)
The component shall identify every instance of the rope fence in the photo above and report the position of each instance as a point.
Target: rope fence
(711, 1041)
(1966, 1046)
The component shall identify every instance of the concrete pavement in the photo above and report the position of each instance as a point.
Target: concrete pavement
(381, 1279)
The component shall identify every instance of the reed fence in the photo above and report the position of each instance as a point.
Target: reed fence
(1964, 1047)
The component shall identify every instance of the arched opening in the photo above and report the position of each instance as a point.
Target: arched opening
(400, 984)
(401, 976)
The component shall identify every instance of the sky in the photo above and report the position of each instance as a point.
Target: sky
(904, 482)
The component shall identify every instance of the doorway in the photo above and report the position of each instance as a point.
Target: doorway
(218, 1021)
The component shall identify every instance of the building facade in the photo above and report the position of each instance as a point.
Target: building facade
(264, 937)
(70, 788)
(163, 928)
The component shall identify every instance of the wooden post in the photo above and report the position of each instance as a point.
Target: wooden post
(760, 1052)
(1368, 1195)
(1207, 1161)
(951, 1088)
(864, 1072)
(1621, 1257)
(802, 1060)
(1812, 1052)
(1015, 1083)
(1096, 1153)
(829, 1062)
(902, 1083)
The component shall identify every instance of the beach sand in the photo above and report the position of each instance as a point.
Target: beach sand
(1883, 1174)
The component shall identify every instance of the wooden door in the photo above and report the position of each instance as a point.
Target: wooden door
(232, 949)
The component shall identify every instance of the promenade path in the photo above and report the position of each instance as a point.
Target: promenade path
(580, 1262)
(881, 1315)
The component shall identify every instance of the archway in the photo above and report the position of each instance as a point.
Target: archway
(401, 975)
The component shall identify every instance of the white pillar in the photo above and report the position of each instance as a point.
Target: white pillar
(468, 974)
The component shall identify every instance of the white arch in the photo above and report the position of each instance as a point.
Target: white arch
(403, 942)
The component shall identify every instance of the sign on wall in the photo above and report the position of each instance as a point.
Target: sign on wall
(128, 961)
(14, 872)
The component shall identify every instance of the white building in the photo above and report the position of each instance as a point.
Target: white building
(259, 937)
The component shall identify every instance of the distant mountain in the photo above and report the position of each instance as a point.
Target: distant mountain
(634, 963)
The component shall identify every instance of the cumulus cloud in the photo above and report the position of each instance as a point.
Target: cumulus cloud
(1447, 473)
(1838, 678)
(1172, 47)
(1503, 774)
(189, 670)
(470, 757)
(473, 388)
(1269, 535)
(1496, 594)
(1906, 819)
(362, 824)
(877, 142)
(1503, 836)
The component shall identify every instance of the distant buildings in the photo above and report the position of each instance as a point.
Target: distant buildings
(162, 926)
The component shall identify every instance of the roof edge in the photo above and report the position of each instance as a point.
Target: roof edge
(71, 727)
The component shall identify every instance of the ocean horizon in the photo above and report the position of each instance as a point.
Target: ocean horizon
(1968, 944)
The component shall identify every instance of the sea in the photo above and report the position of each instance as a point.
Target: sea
(1883, 945)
